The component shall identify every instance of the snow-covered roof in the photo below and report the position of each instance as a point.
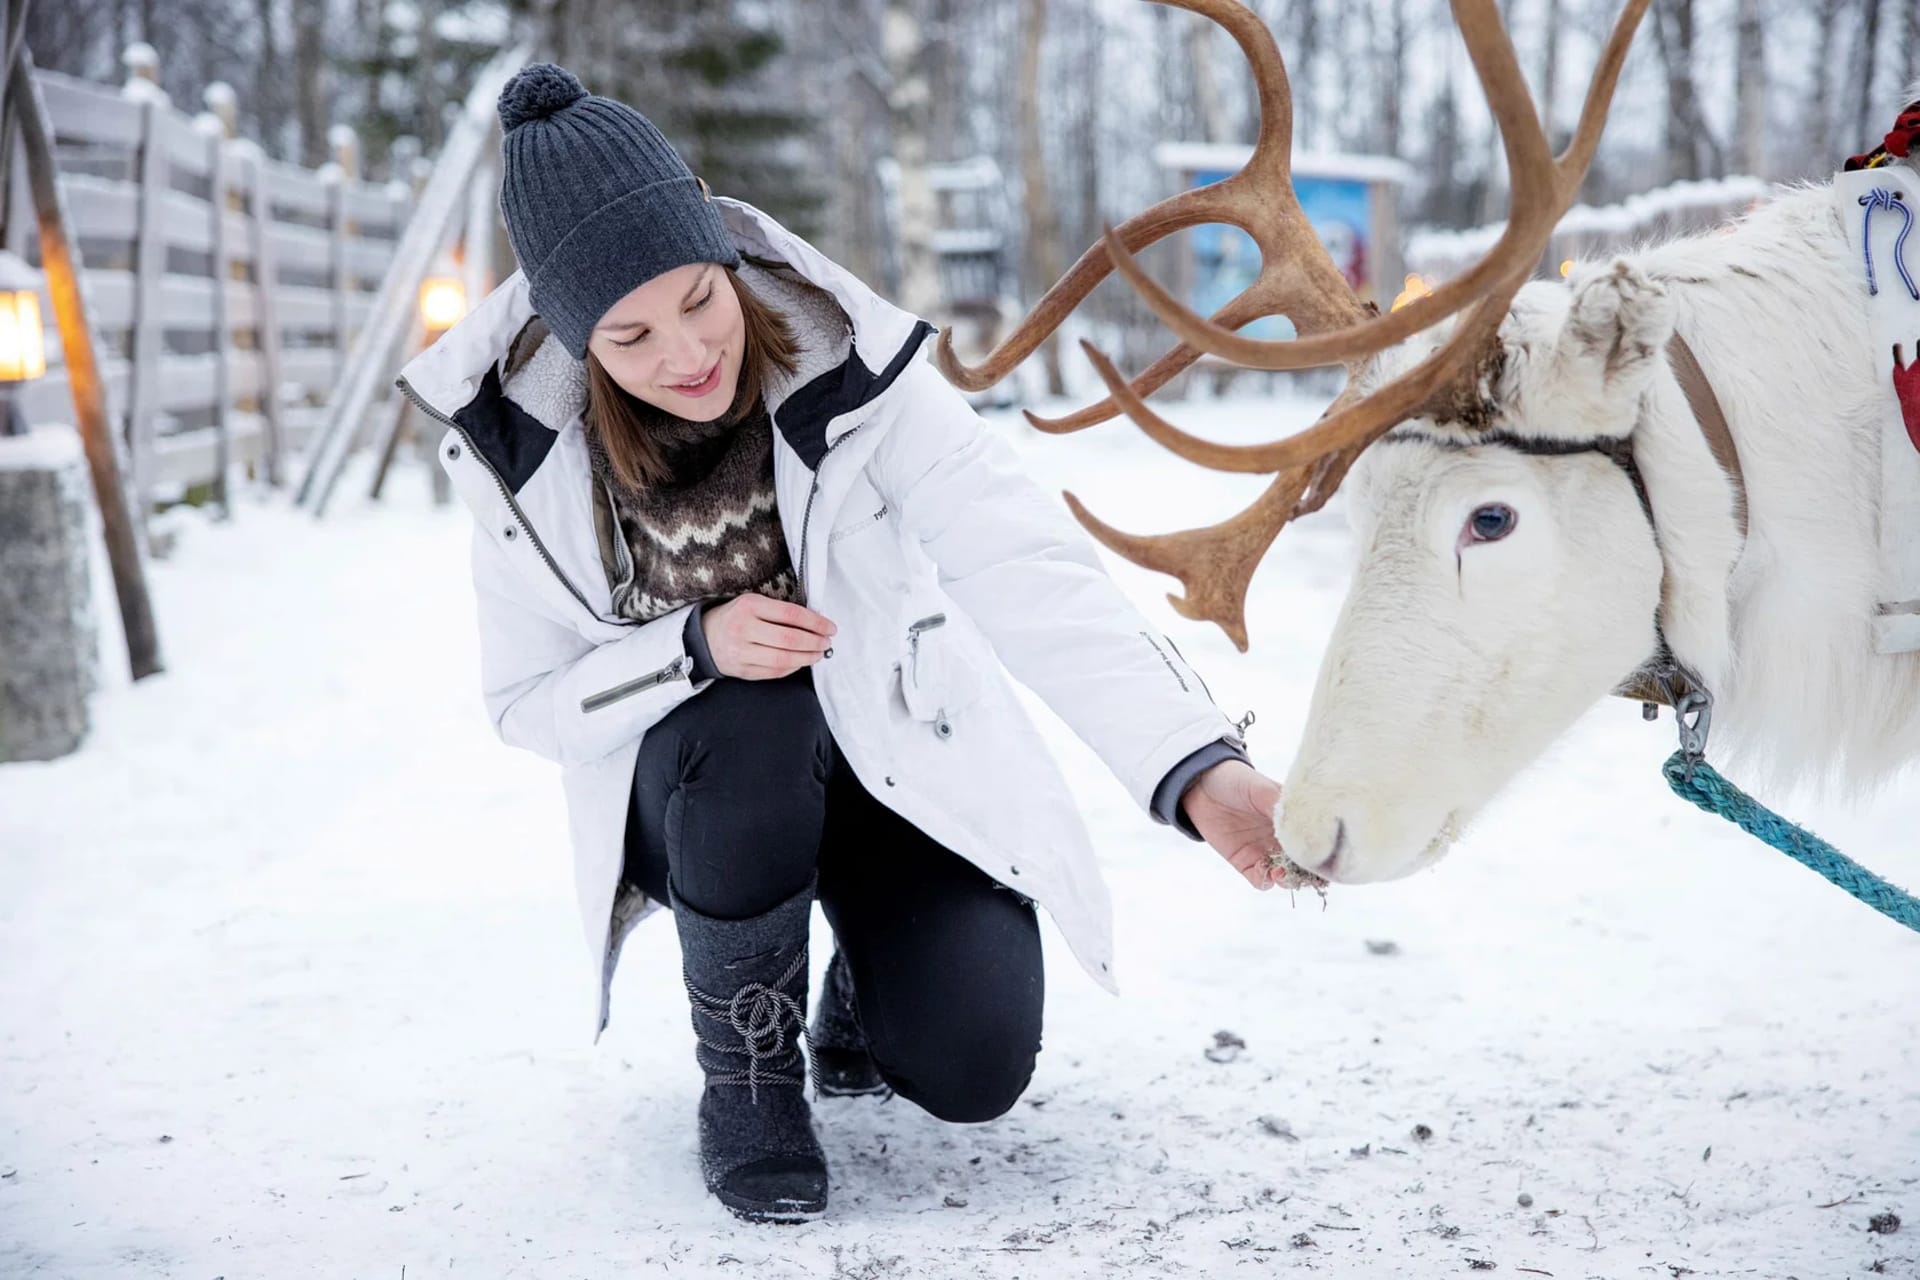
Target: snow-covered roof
(1188, 156)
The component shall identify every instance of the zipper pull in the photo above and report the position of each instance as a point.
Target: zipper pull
(927, 623)
(1240, 727)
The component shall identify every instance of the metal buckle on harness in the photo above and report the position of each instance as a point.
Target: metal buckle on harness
(1692, 709)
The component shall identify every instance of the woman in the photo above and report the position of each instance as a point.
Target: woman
(749, 570)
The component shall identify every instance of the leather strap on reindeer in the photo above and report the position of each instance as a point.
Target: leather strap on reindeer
(1663, 681)
(1712, 420)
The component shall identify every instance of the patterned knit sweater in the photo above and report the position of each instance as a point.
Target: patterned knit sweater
(712, 531)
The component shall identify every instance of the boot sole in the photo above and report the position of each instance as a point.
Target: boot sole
(825, 1090)
(778, 1213)
(846, 1073)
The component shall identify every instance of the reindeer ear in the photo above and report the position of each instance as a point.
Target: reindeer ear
(1615, 336)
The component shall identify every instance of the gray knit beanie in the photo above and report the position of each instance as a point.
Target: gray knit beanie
(596, 202)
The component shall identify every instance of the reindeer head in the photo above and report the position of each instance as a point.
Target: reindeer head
(1508, 578)
(1499, 472)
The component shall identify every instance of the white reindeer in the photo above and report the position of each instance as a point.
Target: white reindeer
(1502, 592)
(1542, 516)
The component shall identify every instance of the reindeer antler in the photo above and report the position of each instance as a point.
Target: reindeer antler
(1259, 199)
(1299, 279)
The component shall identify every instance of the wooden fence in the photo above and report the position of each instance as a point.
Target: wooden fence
(1587, 231)
(224, 287)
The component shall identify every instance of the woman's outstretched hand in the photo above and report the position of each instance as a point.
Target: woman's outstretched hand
(1232, 806)
(755, 637)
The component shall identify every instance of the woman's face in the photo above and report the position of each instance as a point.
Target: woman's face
(676, 342)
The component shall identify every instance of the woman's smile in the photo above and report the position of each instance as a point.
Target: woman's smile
(700, 386)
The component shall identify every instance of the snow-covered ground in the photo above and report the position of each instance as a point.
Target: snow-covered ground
(294, 987)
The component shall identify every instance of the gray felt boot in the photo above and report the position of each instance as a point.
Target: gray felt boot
(842, 1065)
(747, 980)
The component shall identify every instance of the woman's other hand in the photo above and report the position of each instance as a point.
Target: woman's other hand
(754, 637)
(1232, 806)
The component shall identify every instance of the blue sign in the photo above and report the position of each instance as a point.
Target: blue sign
(1226, 260)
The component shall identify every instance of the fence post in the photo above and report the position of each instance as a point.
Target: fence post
(266, 311)
(21, 227)
(217, 127)
(339, 176)
(149, 267)
(60, 259)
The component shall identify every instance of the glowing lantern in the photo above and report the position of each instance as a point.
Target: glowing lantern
(443, 300)
(1415, 288)
(23, 352)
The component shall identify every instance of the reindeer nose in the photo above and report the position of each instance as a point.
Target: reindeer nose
(1329, 867)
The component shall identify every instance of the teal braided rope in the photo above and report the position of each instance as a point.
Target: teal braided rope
(1704, 786)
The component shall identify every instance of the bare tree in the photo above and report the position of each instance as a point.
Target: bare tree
(946, 71)
(1867, 109)
(1176, 68)
(1393, 79)
(73, 36)
(1691, 149)
(842, 41)
(1301, 34)
(1910, 68)
(1819, 86)
(269, 100)
(310, 79)
(429, 126)
(909, 107)
(1750, 90)
(1204, 80)
(1045, 261)
(1091, 66)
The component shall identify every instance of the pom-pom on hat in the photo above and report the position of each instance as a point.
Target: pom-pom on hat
(536, 92)
(595, 200)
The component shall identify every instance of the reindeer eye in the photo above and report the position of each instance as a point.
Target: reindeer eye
(1491, 522)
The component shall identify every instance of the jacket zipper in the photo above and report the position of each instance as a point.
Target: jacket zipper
(520, 517)
(679, 668)
(813, 491)
(622, 552)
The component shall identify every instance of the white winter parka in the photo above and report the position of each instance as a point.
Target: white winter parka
(910, 525)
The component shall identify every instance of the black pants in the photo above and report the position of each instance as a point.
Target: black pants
(740, 797)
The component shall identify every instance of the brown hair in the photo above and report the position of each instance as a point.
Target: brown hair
(626, 425)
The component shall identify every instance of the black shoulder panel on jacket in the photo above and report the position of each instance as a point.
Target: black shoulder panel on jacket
(804, 414)
(513, 441)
